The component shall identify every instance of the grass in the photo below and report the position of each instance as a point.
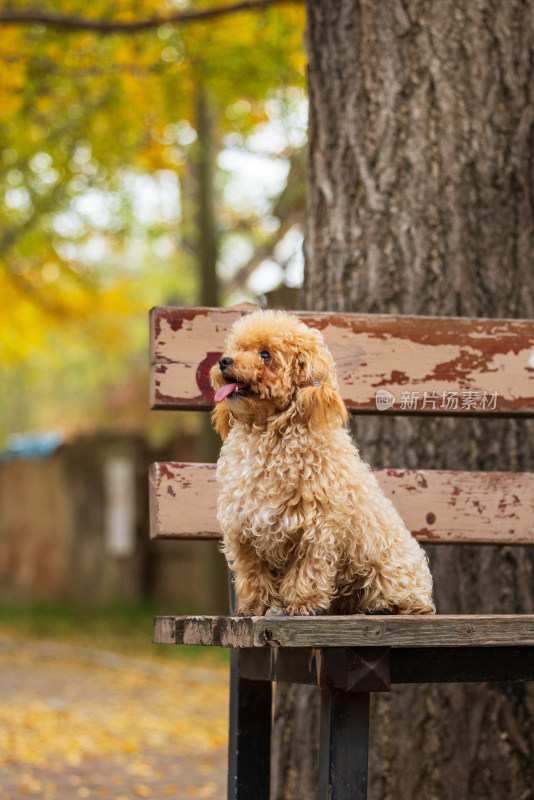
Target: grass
(122, 629)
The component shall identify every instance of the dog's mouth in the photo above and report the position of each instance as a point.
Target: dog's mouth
(233, 390)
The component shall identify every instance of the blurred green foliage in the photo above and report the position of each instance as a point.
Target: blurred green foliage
(124, 629)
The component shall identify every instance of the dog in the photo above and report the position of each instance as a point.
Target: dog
(306, 528)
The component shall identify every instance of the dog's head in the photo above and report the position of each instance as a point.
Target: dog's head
(273, 361)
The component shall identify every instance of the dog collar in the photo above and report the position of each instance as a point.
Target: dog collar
(317, 383)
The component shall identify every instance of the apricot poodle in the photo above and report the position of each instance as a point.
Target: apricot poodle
(306, 527)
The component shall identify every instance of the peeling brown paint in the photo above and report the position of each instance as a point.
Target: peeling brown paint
(163, 470)
(466, 506)
(395, 377)
(203, 374)
(415, 354)
(426, 535)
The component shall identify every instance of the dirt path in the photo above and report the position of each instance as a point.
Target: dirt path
(77, 723)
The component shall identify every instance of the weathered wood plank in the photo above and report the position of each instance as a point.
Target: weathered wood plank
(334, 666)
(167, 631)
(183, 501)
(348, 668)
(199, 630)
(460, 363)
(437, 506)
(360, 631)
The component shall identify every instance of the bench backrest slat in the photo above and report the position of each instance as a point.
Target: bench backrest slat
(465, 366)
(443, 365)
(436, 505)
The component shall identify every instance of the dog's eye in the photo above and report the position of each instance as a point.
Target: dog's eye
(265, 355)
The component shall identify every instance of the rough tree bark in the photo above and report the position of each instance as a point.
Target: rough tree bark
(420, 201)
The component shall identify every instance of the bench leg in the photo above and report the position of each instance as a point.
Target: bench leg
(344, 744)
(249, 746)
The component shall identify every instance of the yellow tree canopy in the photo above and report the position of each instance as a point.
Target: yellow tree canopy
(97, 126)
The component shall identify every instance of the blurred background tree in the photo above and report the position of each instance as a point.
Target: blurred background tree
(127, 143)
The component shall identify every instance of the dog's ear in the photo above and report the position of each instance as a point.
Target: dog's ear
(322, 404)
(320, 401)
(220, 419)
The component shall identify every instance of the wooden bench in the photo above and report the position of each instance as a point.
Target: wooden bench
(418, 366)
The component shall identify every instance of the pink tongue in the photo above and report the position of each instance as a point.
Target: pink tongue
(225, 390)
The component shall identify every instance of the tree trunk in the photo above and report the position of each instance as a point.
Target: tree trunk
(420, 201)
(205, 224)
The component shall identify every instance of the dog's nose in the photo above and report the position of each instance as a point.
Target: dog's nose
(225, 362)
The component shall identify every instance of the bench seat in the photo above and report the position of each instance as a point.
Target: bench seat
(357, 653)
(454, 630)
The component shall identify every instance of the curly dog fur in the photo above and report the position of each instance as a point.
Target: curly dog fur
(306, 527)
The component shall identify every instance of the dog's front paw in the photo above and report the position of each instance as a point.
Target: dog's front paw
(299, 610)
(251, 610)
